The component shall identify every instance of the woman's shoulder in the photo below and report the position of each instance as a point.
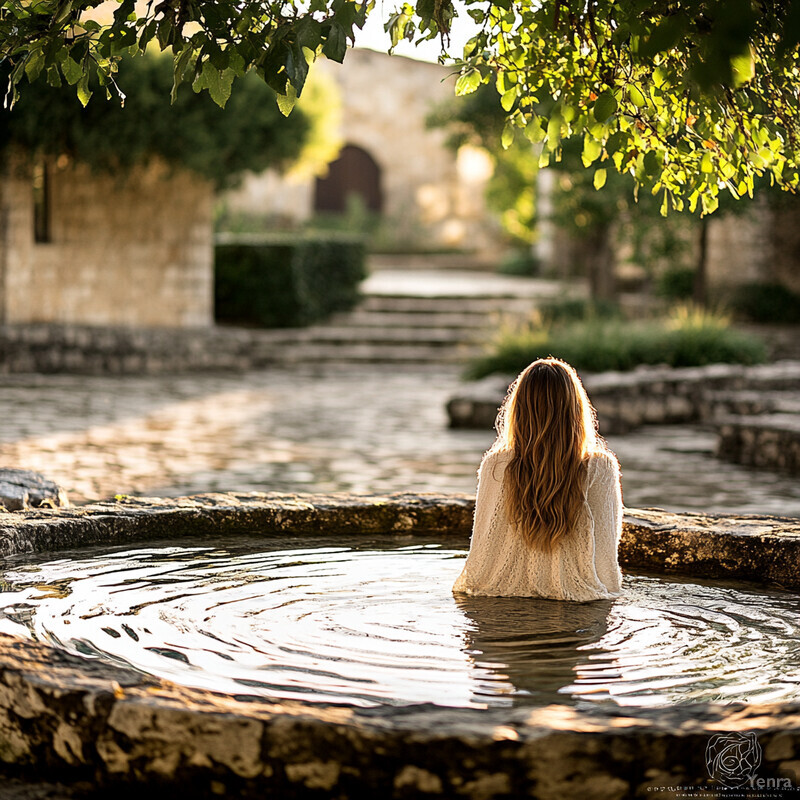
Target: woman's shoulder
(495, 460)
(496, 457)
(602, 463)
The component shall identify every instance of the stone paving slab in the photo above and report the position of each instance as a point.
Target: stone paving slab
(455, 283)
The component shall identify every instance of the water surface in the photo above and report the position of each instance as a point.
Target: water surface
(371, 620)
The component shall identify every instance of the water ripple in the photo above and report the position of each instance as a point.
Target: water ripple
(372, 621)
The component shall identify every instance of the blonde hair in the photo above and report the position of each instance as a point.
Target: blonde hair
(549, 428)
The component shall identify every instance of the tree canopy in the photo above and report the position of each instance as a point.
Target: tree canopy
(691, 97)
(192, 132)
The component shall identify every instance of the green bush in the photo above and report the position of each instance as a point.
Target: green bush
(572, 310)
(282, 281)
(676, 283)
(767, 302)
(685, 339)
(520, 262)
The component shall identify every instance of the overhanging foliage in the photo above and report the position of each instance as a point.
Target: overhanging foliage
(192, 132)
(691, 97)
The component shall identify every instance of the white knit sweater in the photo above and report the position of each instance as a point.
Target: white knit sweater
(582, 567)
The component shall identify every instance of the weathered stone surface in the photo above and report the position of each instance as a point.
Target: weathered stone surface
(174, 738)
(21, 489)
(52, 348)
(748, 547)
(769, 440)
(61, 715)
(140, 519)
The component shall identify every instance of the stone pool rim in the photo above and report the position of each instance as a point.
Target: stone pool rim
(62, 713)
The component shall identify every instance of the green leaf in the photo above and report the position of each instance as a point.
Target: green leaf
(34, 64)
(508, 99)
(53, 76)
(636, 96)
(599, 178)
(220, 88)
(706, 163)
(554, 130)
(605, 106)
(743, 68)
(509, 131)
(335, 45)
(179, 67)
(84, 93)
(468, 82)
(591, 150)
(296, 67)
(534, 131)
(651, 163)
(72, 71)
(286, 102)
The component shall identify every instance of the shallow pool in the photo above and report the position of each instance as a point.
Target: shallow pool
(371, 621)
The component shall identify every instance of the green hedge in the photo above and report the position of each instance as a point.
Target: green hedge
(286, 281)
(767, 302)
(685, 339)
(676, 283)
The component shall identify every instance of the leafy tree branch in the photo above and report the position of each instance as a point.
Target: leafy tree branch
(692, 98)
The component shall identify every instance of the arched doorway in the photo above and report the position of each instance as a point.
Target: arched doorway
(354, 173)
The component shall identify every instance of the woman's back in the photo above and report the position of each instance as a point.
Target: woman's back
(581, 566)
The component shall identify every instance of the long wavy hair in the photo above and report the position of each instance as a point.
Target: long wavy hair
(549, 427)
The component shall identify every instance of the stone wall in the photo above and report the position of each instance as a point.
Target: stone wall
(94, 350)
(770, 440)
(432, 196)
(649, 395)
(784, 254)
(759, 246)
(129, 250)
(739, 247)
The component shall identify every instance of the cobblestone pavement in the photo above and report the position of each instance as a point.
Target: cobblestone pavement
(347, 429)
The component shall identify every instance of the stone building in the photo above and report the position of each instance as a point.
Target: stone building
(762, 246)
(391, 162)
(84, 248)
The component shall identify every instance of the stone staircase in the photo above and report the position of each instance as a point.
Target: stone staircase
(412, 316)
(403, 329)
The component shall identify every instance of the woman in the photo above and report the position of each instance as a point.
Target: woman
(548, 514)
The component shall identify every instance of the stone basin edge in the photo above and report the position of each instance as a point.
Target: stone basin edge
(746, 546)
(65, 715)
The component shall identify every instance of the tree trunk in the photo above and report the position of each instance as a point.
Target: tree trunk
(600, 262)
(700, 287)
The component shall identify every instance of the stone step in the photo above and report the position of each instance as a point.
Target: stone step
(748, 402)
(365, 352)
(384, 334)
(446, 305)
(477, 262)
(422, 319)
(769, 441)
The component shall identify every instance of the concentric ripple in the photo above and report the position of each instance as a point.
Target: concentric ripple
(373, 621)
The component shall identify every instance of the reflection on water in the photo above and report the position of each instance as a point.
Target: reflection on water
(372, 621)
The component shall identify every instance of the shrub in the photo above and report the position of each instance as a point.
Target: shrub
(767, 302)
(281, 281)
(676, 283)
(686, 338)
(520, 262)
(570, 310)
